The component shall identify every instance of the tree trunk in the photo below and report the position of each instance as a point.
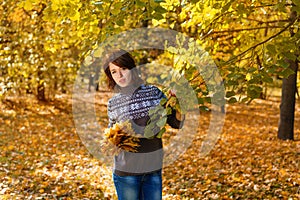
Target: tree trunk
(287, 105)
(41, 90)
(288, 96)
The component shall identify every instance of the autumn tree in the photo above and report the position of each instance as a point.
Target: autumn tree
(47, 40)
(289, 87)
(252, 42)
(38, 56)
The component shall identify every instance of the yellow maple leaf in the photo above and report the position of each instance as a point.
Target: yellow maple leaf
(75, 17)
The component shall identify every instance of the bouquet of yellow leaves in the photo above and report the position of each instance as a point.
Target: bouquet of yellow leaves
(120, 137)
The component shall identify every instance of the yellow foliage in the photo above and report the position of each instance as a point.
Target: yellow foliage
(76, 16)
(17, 15)
(120, 137)
(10, 147)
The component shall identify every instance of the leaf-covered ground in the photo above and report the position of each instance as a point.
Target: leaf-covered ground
(42, 157)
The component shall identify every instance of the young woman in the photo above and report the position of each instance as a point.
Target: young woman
(137, 176)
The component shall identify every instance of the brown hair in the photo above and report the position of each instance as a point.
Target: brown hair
(124, 59)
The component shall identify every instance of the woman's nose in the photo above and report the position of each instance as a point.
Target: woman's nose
(120, 74)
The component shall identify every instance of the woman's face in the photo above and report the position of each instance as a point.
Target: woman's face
(121, 75)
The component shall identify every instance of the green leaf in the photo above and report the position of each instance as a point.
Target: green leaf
(164, 113)
(245, 99)
(160, 10)
(161, 122)
(296, 7)
(272, 49)
(120, 22)
(286, 72)
(116, 8)
(230, 94)
(267, 79)
(207, 99)
(254, 91)
(252, 69)
(290, 56)
(283, 63)
(154, 110)
(203, 108)
(140, 3)
(201, 100)
(163, 101)
(232, 100)
(255, 79)
(148, 131)
(281, 7)
(227, 6)
(231, 82)
(158, 16)
(272, 69)
(161, 132)
(169, 110)
(189, 74)
(217, 6)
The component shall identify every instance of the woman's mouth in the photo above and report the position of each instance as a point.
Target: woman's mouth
(122, 80)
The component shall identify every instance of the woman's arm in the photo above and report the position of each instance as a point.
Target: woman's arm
(111, 120)
(175, 119)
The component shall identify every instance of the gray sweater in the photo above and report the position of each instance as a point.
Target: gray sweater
(133, 104)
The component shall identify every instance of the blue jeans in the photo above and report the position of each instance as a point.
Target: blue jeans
(140, 187)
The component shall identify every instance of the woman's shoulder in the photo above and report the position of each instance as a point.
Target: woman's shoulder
(115, 98)
(149, 87)
(150, 90)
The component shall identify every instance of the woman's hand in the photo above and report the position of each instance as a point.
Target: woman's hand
(179, 115)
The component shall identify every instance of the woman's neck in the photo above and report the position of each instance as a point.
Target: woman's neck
(129, 89)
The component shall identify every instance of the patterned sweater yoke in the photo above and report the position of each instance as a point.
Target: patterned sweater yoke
(133, 106)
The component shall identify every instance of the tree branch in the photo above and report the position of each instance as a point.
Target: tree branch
(266, 22)
(223, 14)
(243, 29)
(263, 42)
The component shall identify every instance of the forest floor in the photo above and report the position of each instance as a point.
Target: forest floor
(42, 156)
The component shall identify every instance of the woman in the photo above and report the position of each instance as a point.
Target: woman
(136, 175)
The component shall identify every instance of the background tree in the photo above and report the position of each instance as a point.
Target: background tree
(38, 59)
(253, 43)
(45, 41)
(289, 88)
